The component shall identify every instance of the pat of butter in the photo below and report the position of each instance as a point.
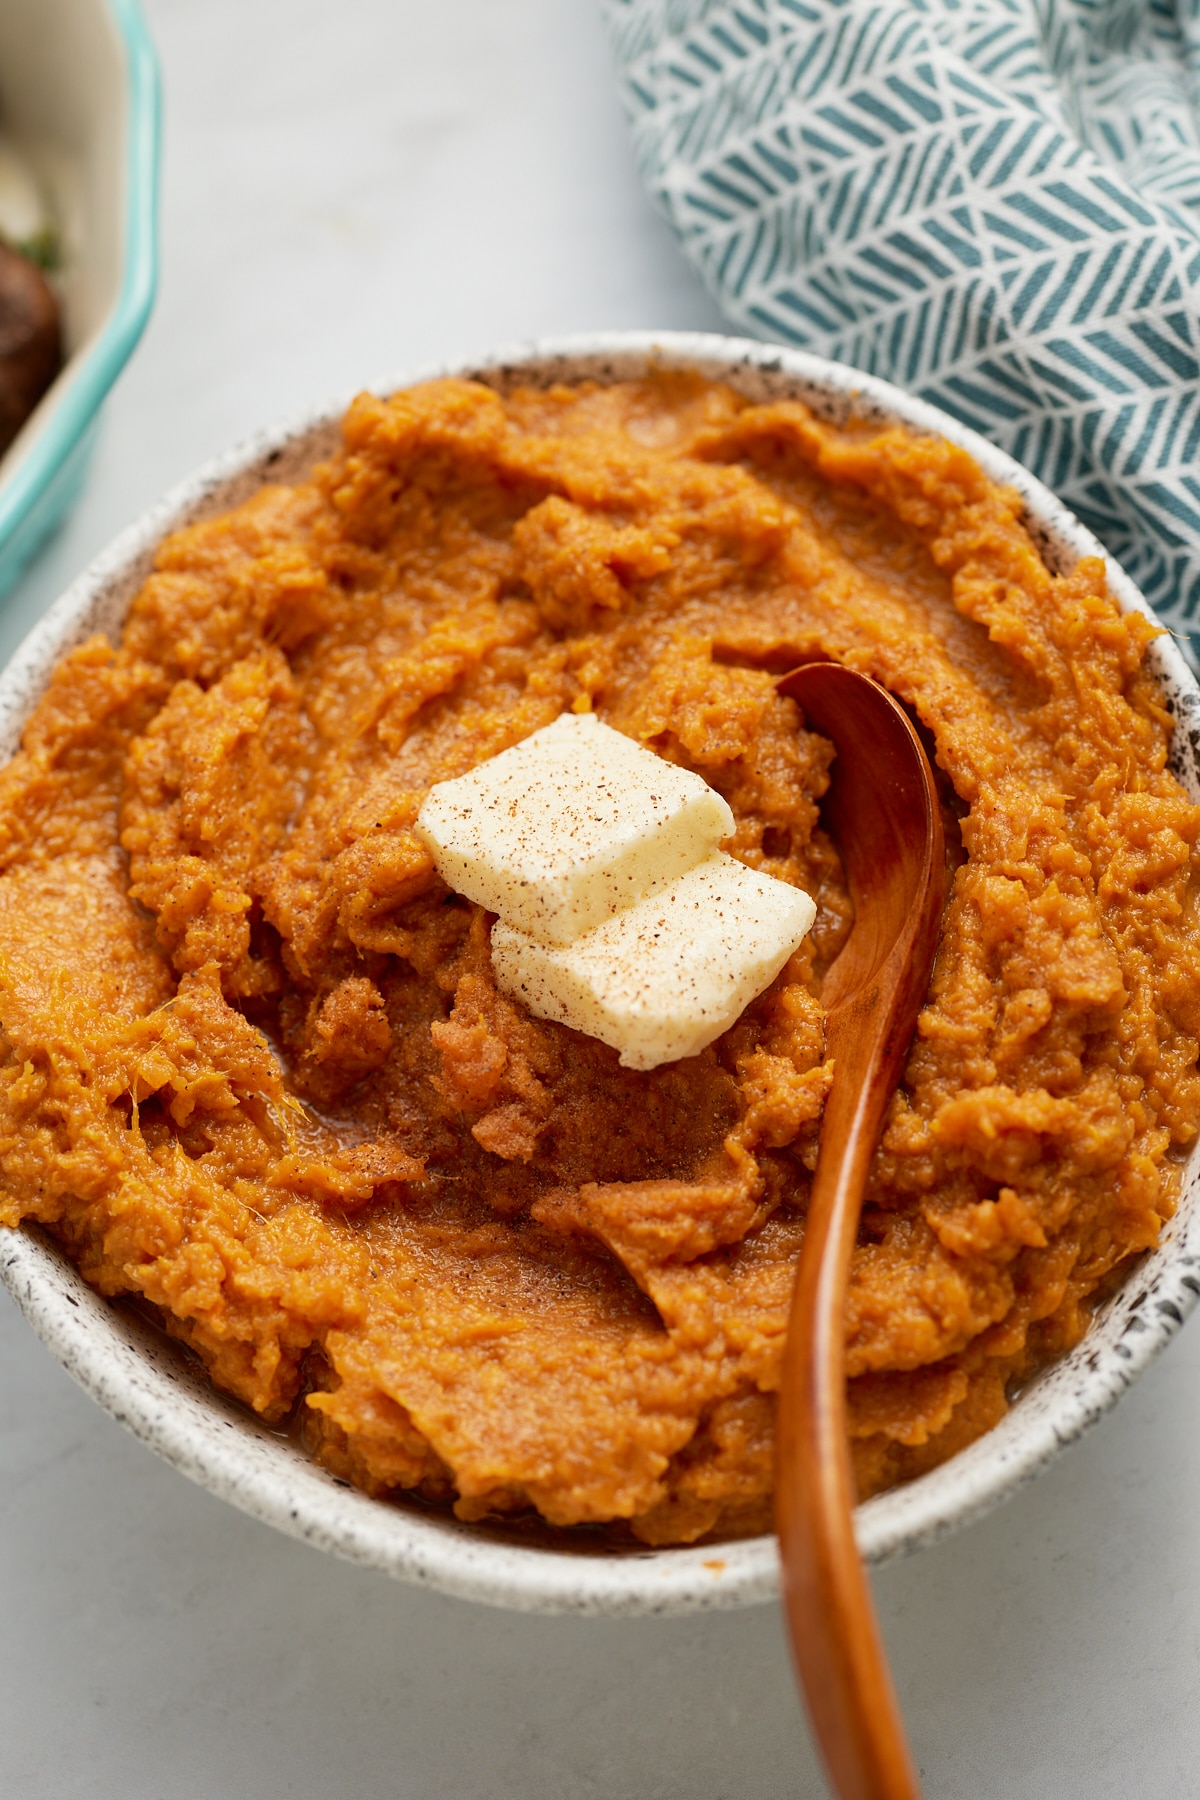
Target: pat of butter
(664, 977)
(570, 826)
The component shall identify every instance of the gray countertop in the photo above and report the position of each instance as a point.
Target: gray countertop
(352, 191)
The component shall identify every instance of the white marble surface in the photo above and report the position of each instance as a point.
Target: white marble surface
(351, 190)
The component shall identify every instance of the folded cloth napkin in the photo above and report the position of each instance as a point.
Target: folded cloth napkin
(994, 203)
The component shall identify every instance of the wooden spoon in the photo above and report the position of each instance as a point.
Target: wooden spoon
(882, 811)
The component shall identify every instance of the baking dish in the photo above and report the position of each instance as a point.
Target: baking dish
(79, 102)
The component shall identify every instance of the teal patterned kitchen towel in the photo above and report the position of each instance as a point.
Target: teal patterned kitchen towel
(994, 203)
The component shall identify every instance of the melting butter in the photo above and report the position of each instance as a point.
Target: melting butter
(668, 975)
(569, 826)
(618, 914)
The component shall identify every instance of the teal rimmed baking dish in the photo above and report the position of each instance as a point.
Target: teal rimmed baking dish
(79, 99)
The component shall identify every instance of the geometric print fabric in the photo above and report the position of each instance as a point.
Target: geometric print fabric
(995, 204)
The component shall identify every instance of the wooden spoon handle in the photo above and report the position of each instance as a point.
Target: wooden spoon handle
(831, 1619)
(882, 807)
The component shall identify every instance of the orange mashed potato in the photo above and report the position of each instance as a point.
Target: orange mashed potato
(255, 1070)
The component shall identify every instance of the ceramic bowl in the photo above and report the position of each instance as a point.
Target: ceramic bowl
(79, 102)
(157, 1395)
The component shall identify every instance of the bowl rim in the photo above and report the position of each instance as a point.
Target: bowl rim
(224, 1449)
(83, 382)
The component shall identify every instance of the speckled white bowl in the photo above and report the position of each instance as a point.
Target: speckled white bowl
(158, 1396)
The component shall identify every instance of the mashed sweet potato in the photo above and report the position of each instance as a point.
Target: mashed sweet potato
(256, 1072)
